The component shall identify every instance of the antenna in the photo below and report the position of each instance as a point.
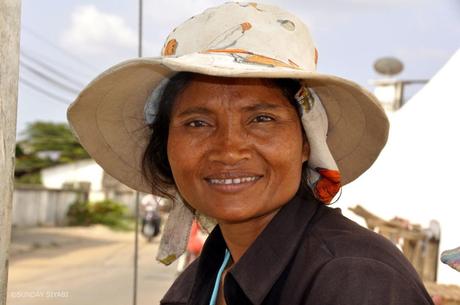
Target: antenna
(388, 66)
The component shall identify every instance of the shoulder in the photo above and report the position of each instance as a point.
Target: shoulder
(180, 290)
(362, 263)
(360, 280)
(344, 238)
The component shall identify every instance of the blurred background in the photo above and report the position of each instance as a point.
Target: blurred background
(73, 238)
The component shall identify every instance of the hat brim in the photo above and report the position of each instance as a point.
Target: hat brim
(108, 115)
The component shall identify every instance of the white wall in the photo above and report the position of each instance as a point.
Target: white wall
(79, 171)
(38, 206)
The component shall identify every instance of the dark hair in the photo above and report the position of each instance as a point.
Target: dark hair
(155, 163)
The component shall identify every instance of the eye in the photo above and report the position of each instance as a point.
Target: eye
(197, 123)
(263, 118)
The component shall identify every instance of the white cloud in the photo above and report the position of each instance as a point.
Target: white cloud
(175, 11)
(95, 32)
(162, 16)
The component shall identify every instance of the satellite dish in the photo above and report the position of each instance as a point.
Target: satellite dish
(388, 66)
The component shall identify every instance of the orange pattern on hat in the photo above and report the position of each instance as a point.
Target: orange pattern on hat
(293, 63)
(328, 185)
(227, 51)
(170, 48)
(264, 60)
(316, 56)
(250, 4)
(245, 26)
(256, 59)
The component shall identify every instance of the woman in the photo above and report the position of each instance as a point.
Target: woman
(235, 124)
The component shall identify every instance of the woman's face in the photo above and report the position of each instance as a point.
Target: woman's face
(235, 147)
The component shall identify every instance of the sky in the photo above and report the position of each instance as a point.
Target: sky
(65, 44)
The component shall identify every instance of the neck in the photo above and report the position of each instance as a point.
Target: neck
(240, 236)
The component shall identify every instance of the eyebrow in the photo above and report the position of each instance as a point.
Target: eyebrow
(262, 106)
(195, 110)
(249, 108)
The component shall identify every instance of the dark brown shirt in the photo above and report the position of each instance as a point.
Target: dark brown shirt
(308, 254)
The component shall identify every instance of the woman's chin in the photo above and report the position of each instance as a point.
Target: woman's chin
(240, 216)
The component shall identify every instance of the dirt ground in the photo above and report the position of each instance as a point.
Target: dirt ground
(83, 265)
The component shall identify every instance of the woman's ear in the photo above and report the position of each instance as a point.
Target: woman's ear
(305, 150)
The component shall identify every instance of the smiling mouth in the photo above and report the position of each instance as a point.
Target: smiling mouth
(233, 181)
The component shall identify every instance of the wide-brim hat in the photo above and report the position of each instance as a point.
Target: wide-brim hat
(231, 40)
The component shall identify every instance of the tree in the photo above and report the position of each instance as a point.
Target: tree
(45, 144)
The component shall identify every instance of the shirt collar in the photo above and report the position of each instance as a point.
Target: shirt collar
(261, 265)
(270, 253)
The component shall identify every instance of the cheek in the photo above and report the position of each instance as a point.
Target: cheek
(288, 165)
(184, 158)
(179, 155)
(288, 150)
(284, 156)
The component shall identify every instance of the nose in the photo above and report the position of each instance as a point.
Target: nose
(231, 145)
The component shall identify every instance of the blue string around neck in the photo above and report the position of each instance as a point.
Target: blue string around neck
(215, 290)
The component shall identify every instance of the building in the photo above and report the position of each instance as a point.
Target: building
(89, 176)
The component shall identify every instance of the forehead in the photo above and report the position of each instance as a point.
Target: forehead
(212, 90)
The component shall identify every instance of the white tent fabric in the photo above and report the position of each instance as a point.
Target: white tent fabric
(417, 175)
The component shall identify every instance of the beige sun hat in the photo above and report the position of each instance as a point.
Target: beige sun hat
(234, 40)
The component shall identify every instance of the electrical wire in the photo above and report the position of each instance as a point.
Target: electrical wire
(52, 69)
(43, 91)
(64, 52)
(49, 79)
(54, 61)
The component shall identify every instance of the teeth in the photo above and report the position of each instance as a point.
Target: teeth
(232, 181)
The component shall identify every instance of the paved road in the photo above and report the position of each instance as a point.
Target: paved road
(91, 266)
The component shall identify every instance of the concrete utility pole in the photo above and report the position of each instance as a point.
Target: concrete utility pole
(136, 229)
(10, 12)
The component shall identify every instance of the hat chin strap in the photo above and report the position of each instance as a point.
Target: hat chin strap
(176, 232)
(323, 173)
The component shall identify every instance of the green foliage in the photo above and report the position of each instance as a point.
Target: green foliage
(32, 178)
(106, 212)
(19, 152)
(45, 144)
(47, 136)
(79, 214)
(31, 164)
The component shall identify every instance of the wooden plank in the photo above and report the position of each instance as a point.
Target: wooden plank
(450, 294)
(431, 260)
(9, 73)
(419, 248)
(371, 219)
